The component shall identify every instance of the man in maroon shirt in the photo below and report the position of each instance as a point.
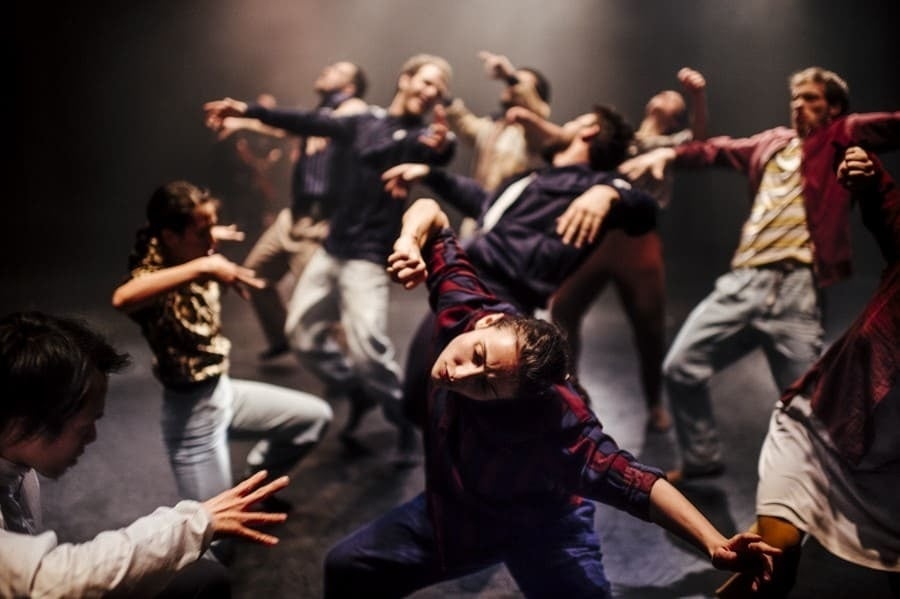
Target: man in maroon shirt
(511, 450)
(795, 242)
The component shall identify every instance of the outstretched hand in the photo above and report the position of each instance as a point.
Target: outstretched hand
(438, 132)
(582, 220)
(398, 179)
(218, 110)
(405, 264)
(227, 233)
(497, 66)
(747, 552)
(230, 511)
(234, 275)
(654, 161)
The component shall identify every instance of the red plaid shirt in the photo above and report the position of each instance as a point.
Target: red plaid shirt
(494, 467)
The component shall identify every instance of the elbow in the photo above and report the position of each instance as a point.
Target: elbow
(120, 300)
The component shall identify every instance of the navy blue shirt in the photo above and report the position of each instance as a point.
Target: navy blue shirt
(365, 220)
(522, 259)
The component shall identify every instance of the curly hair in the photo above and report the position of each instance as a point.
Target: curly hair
(46, 363)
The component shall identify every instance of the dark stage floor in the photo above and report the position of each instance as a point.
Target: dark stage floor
(125, 473)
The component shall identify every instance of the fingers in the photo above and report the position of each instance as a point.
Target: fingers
(440, 116)
(269, 489)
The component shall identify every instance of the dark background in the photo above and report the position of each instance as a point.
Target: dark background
(106, 106)
(108, 95)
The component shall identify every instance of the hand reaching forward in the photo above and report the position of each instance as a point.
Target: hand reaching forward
(398, 179)
(746, 552)
(582, 220)
(654, 161)
(218, 110)
(234, 275)
(405, 264)
(438, 131)
(497, 66)
(227, 233)
(229, 511)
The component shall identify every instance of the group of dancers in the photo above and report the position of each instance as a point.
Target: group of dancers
(513, 453)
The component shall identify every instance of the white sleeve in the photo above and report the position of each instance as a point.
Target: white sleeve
(138, 560)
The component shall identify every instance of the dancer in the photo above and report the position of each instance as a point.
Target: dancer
(634, 263)
(511, 450)
(345, 281)
(173, 293)
(795, 242)
(298, 231)
(53, 381)
(830, 464)
(538, 227)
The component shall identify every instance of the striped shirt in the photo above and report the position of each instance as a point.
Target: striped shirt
(776, 229)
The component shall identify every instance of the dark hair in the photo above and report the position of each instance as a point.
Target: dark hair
(46, 363)
(360, 81)
(541, 84)
(170, 207)
(610, 146)
(544, 358)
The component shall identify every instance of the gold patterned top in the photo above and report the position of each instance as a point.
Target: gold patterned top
(183, 327)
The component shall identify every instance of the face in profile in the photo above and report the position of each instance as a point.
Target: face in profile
(481, 364)
(52, 456)
(423, 90)
(196, 240)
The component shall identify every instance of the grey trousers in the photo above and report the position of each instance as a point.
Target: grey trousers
(776, 309)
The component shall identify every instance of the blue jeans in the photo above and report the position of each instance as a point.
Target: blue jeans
(396, 555)
(776, 310)
(197, 424)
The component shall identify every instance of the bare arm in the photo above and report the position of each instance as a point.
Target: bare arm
(539, 132)
(140, 291)
(695, 85)
(420, 221)
(745, 552)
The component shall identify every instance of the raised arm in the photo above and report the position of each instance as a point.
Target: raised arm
(539, 132)
(694, 85)
(142, 290)
(421, 220)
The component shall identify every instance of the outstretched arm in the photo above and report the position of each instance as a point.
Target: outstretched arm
(654, 161)
(218, 110)
(421, 220)
(137, 560)
(539, 132)
(744, 552)
(139, 291)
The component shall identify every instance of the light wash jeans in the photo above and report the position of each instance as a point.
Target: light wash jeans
(775, 309)
(354, 293)
(197, 424)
